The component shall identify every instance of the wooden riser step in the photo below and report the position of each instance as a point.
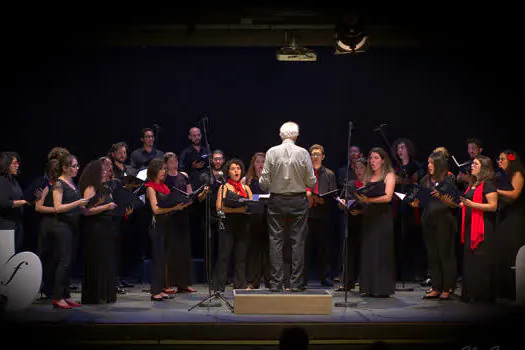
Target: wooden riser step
(254, 302)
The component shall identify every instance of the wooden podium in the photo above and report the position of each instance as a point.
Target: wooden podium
(315, 302)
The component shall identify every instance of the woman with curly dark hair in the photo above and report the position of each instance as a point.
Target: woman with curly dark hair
(511, 223)
(98, 283)
(235, 235)
(68, 204)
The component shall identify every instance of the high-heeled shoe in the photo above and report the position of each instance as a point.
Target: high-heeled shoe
(431, 296)
(169, 290)
(60, 304)
(444, 296)
(72, 303)
(186, 290)
(157, 298)
(167, 296)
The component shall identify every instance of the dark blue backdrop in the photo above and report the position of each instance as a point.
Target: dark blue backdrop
(85, 100)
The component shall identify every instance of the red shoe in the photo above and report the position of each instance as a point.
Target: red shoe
(169, 290)
(60, 304)
(186, 290)
(73, 303)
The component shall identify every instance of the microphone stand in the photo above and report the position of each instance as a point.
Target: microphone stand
(403, 228)
(208, 302)
(346, 303)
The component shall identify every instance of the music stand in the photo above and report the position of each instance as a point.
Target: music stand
(403, 223)
(209, 301)
(346, 303)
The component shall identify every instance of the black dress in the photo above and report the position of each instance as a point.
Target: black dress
(439, 233)
(478, 267)
(510, 237)
(178, 240)
(377, 265)
(160, 228)
(98, 283)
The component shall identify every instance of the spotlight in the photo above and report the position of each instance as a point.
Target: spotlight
(350, 35)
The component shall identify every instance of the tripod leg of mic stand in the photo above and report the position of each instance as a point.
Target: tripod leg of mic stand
(206, 303)
(346, 303)
(220, 296)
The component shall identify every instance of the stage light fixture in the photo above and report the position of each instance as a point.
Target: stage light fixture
(350, 35)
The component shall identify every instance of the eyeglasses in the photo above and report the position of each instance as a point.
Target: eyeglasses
(76, 166)
(316, 155)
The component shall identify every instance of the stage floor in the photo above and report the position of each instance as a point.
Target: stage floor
(404, 316)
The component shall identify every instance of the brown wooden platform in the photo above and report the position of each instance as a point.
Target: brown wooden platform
(315, 302)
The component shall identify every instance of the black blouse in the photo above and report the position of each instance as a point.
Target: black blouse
(9, 191)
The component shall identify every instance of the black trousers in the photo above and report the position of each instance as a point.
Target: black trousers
(45, 253)
(439, 234)
(283, 210)
(65, 240)
(318, 238)
(258, 260)
(160, 229)
(179, 251)
(234, 237)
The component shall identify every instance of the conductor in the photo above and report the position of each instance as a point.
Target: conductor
(286, 174)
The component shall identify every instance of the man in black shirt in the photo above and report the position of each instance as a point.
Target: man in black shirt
(141, 157)
(141, 217)
(118, 155)
(194, 161)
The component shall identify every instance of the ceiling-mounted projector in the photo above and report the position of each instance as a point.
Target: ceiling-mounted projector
(296, 54)
(293, 52)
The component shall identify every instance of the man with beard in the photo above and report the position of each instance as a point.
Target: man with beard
(194, 161)
(141, 157)
(141, 218)
(118, 155)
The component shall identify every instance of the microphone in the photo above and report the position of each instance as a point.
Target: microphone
(220, 174)
(380, 127)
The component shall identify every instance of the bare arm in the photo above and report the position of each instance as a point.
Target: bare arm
(390, 183)
(222, 191)
(150, 194)
(39, 205)
(491, 205)
(517, 183)
(90, 192)
(63, 208)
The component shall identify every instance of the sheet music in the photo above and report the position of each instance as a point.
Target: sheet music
(400, 195)
(459, 165)
(348, 204)
(143, 174)
(257, 197)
